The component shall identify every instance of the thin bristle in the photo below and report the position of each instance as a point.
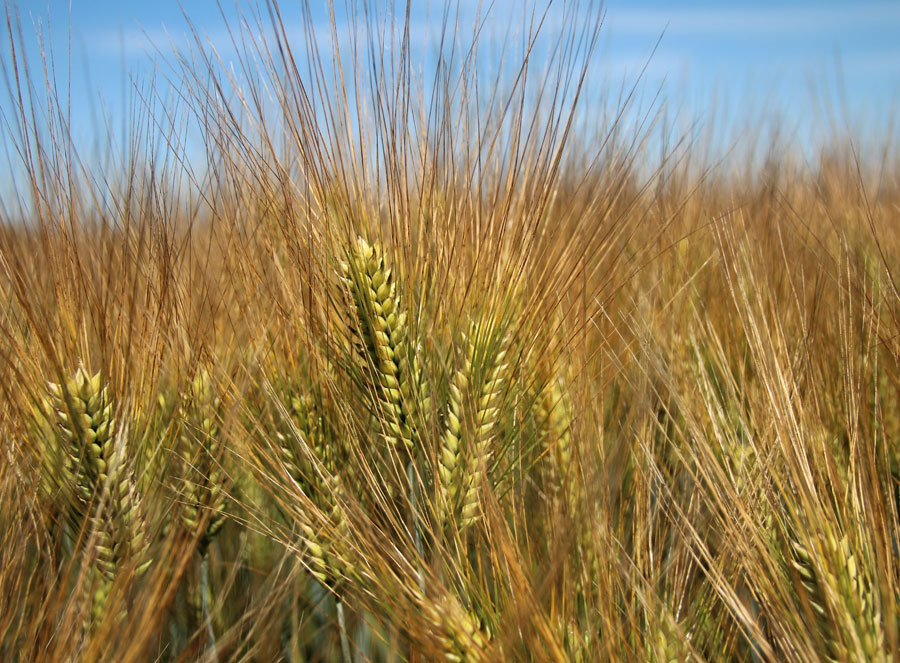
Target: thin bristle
(366, 338)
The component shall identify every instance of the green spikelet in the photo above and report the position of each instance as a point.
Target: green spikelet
(884, 412)
(665, 644)
(380, 328)
(119, 532)
(307, 432)
(487, 417)
(81, 447)
(202, 488)
(327, 543)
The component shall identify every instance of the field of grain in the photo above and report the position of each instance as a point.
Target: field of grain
(444, 369)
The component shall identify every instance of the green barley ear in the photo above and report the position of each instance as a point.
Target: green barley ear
(450, 460)
(554, 411)
(380, 331)
(841, 597)
(101, 496)
(202, 488)
(473, 416)
(311, 457)
(494, 381)
(120, 525)
(326, 538)
(666, 644)
(81, 444)
(459, 632)
(306, 434)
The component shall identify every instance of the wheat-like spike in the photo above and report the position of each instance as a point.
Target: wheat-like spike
(120, 532)
(203, 483)
(83, 431)
(459, 631)
(57, 480)
(381, 327)
(555, 411)
(666, 646)
(103, 493)
(450, 461)
(327, 546)
(885, 412)
(495, 370)
(315, 469)
(309, 423)
(842, 598)
(472, 414)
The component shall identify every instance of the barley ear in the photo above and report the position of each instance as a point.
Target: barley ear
(103, 497)
(380, 329)
(486, 417)
(450, 460)
(310, 455)
(202, 488)
(459, 632)
(841, 597)
(554, 409)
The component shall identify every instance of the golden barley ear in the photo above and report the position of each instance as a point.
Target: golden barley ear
(555, 415)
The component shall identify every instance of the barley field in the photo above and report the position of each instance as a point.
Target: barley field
(334, 361)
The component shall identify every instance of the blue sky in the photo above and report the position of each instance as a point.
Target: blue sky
(782, 58)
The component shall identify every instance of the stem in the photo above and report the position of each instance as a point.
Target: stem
(342, 624)
(175, 640)
(293, 653)
(410, 474)
(204, 600)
